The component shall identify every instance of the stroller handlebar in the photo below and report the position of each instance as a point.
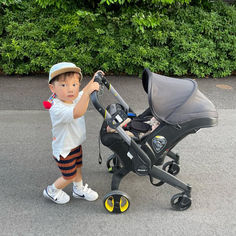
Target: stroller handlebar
(102, 80)
(94, 95)
(99, 78)
(106, 115)
(97, 105)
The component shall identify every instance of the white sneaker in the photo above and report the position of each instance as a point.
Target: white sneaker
(58, 196)
(85, 193)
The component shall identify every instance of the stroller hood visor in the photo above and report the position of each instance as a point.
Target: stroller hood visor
(176, 101)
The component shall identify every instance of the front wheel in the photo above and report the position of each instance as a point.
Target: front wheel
(181, 202)
(116, 202)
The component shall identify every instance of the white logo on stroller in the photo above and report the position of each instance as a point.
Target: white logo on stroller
(158, 143)
(130, 155)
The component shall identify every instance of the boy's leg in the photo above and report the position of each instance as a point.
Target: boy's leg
(61, 182)
(68, 169)
(78, 180)
(80, 191)
(78, 176)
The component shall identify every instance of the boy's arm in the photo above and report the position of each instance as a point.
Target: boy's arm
(82, 106)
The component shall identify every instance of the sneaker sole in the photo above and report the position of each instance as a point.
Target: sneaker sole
(83, 197)
(45, 194)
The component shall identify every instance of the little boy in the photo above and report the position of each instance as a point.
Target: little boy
(68, 130)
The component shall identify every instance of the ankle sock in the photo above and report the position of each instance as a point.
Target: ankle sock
(79, 185)
(52, 188)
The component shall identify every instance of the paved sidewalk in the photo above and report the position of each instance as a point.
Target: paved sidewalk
(207, 163)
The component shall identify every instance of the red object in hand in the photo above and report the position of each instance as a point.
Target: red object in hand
(47, 105)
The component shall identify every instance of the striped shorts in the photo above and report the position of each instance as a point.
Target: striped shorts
(68, 166)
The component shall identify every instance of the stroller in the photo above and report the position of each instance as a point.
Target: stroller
(179, 108)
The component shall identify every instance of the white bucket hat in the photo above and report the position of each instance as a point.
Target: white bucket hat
(61, 68)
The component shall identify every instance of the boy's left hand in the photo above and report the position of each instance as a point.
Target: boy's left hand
(92, 86)
(99, 71)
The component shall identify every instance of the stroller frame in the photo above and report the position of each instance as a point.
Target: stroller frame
(140, 157)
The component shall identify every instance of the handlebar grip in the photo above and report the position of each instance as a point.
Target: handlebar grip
(97, 104)
(98, 77)
(94, 95)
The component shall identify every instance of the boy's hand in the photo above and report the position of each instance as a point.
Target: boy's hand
(98, 72)
(82, 106)
(92, 86)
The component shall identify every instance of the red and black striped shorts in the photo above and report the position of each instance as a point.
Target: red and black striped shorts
(68, 166)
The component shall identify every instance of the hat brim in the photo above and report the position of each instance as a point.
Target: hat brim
(64, 70)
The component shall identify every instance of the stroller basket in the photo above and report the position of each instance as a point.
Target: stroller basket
(180, 109)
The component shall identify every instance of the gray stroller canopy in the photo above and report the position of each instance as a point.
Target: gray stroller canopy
(176, 101)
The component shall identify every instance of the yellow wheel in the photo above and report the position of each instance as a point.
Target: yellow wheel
(116, 202)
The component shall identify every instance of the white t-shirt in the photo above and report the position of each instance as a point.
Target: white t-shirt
(67, 132)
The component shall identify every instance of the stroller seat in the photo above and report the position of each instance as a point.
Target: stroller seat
(180, 108)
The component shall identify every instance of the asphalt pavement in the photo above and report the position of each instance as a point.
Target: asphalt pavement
(207, 161)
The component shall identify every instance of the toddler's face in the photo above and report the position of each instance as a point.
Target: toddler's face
(66, 89)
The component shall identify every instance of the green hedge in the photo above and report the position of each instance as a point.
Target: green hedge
(178, 40)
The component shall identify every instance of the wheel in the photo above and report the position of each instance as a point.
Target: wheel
(116, 202)
(173, 167)
(181, 202)
(113, 163)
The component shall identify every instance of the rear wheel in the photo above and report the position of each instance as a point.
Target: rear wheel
(171, 167)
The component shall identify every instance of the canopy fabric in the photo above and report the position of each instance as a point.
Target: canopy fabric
(176, 101)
